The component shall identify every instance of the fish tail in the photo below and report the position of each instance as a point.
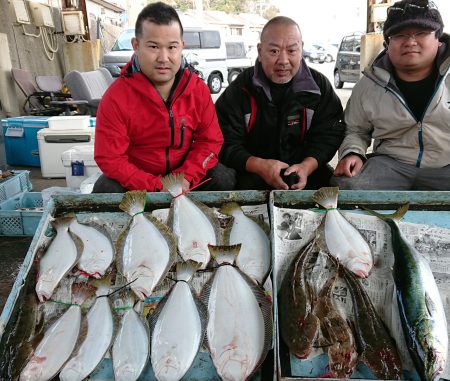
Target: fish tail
(133, 202)
(229, 208)
(173, 183)
(62, 222)
(225, 254)
(81, 292)
(186, 270)
(326, 197)
(397, 216)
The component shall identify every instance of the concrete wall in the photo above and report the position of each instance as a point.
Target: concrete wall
(27, 52)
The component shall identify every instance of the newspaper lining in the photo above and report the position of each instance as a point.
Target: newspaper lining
(432, 241)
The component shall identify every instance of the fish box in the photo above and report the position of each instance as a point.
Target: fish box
(22, 299)
(426, 225)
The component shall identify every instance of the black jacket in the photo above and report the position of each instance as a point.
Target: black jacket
(309, 123)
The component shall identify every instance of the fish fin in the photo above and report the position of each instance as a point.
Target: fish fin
(102, 285)
(326, 197)
(225, 254)
(78, 244)
(397, 216)
(119, 246)
(261, 223)
(62, 222)
(133, 202)
(173, 183)
(81, 292)
(431, 306)
(226, 233)
(229, 208)
(153, 316)
(203, 313)
(186, 270)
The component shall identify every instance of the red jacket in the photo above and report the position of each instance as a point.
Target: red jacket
(138, 139)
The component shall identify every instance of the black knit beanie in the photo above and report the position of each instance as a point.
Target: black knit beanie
(412, 13)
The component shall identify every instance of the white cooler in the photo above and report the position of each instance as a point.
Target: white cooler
(52, 143)
(79, 164)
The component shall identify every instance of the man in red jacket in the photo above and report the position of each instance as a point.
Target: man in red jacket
(158, 117)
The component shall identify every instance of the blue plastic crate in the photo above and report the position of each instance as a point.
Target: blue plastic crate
(20, 215)
(18, 183)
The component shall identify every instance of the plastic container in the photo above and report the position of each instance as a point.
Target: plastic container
(21, 145)
(20, 215)
(75, 122)
(79, 164)
(11, 186)
(52, 144)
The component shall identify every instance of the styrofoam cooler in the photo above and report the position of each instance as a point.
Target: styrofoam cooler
(52, 144)
(79, 164)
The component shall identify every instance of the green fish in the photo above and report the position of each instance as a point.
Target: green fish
(420, 306)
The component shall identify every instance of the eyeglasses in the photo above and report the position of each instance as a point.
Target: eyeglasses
(411, 8)
(418, 37)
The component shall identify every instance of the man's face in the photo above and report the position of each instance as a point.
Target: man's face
(159, 50)
(280, 52)
(409, 54)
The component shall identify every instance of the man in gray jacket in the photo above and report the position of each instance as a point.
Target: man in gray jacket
(403, 103)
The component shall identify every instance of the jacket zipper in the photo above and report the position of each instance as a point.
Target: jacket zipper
(419, 122)
(172, 126)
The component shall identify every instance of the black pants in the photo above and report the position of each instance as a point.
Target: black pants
(222, 179)
(319, 178)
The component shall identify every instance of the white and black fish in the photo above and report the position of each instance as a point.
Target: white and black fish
(59, 258)
(254, 258)
(192, 222)
(343, 240)
(147, 247)
(239, 331)
(177, 327)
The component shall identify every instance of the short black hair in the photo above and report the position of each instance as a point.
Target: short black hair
(158, 13)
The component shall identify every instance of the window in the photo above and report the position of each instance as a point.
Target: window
(191, 40)
(210, 39)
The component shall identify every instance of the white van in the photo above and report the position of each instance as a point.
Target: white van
(204, 49)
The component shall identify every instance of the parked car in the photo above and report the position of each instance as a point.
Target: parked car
(237, 59)
(347, 67)
(312, 54)
(204, 49)
(329, 51)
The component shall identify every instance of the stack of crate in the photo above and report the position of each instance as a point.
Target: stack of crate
(20, 209)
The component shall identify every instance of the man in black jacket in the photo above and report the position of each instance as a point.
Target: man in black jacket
(281, 120)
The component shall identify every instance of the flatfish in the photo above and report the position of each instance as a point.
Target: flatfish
(343, 240)
(177, 327)
(130, 350)
(239, 330)
(299, 326)
(420, 305)
(254, 258)
(98, 249)
(192, 222)
(58, 342)
(147, 246)
(59, 258)
(97, 332)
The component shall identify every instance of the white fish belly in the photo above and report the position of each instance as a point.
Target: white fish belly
(176, 336)
(236, 326)
(55, 263)
(146, 256)
(131, 348)
(194, 231)
(95, 345)
(254, 257)
(55, 348)
(98, 251)
(346, 244)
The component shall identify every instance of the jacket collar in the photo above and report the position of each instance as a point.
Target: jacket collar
(303, 80)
